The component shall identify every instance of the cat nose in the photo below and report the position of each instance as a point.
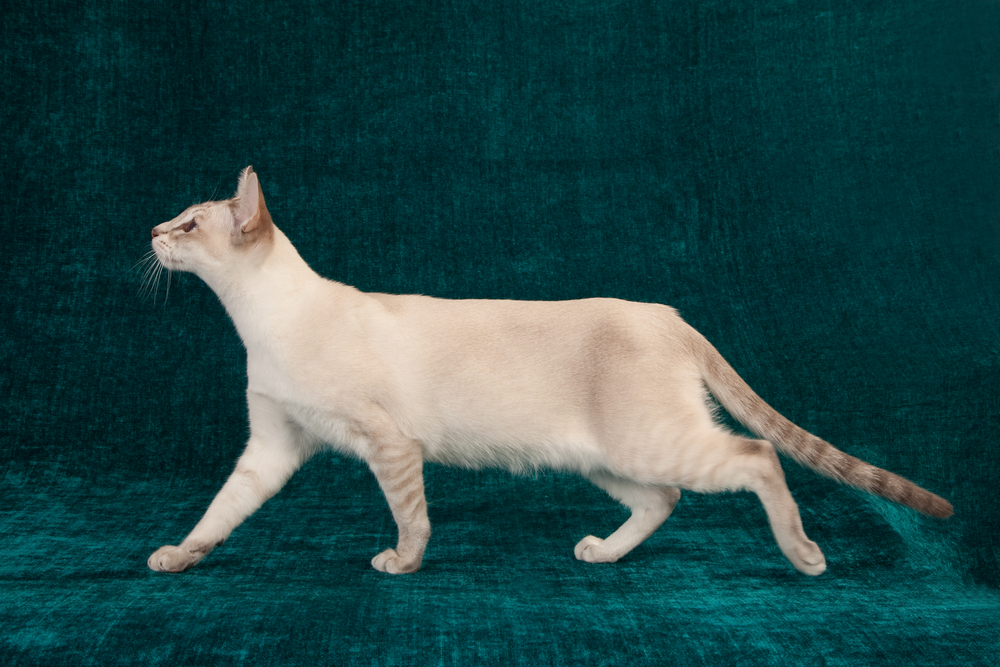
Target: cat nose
(156, 232)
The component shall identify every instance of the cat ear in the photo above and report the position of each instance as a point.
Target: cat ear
(246, 204)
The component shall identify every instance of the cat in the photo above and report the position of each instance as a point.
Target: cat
(610, 389)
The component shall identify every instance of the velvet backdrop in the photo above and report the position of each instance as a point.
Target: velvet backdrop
(814, 185)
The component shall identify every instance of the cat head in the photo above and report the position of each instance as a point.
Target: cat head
(210, 238)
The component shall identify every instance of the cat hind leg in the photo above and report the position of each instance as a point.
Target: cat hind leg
(650, 505)
(754, 466)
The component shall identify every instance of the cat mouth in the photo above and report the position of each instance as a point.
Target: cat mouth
(165, 260)
(164, 255)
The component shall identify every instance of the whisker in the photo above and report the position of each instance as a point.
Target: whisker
(144, 258)
(140, 269)
(151, 266)
(147, 278)
(159, 275)
(143, 279)
(151, 280)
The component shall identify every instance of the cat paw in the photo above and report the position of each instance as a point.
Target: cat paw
(592, 550)
(811, 560)
(391, 562)
(172, 559)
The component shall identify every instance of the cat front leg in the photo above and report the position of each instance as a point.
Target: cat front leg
(276, 449)
(397, 463)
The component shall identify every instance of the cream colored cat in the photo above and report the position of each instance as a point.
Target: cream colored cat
(610, 389)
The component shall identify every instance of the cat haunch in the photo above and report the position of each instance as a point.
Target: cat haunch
(612, 390)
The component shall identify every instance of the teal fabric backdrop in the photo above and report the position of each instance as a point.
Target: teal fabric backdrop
(814, 185)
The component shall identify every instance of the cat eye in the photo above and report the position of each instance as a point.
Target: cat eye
(188, 226)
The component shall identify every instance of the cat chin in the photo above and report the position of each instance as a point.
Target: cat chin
(163, 256)
(171, 263)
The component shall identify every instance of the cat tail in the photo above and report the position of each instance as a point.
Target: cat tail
(751, 410)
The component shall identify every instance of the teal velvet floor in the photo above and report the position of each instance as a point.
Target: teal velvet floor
(814, 185)
(499, 584)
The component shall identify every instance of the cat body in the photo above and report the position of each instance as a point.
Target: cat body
(613, 390)
(431, 365)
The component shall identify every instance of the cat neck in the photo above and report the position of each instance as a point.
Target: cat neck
(261, 291)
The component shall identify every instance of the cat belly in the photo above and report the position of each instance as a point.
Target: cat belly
(463, 447)
(465, 432)
(517, 450)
